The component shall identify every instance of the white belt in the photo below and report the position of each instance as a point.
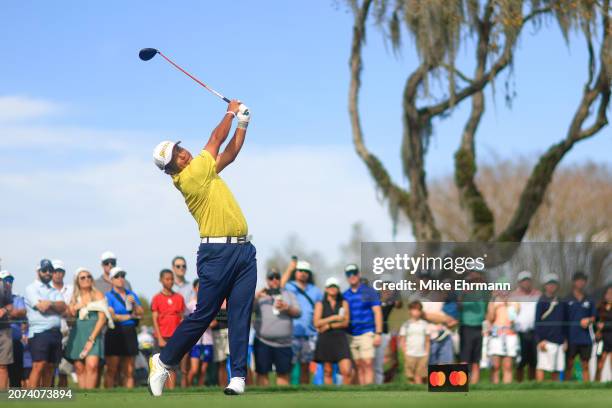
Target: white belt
(225, 240)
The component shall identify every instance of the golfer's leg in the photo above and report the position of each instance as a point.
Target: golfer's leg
(214, 283)
(239, 307)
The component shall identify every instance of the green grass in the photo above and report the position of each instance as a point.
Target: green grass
(574, 395)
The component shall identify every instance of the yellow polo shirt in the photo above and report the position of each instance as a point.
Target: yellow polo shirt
(209, 200)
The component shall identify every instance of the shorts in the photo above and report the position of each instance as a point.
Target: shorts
(266, 356)
(202, 352)
(121, 341)
(220, 345)
(6, 346)
(303, 349)
(505, 345)
(470, 338)
(46, 346)
(584, 350)
(553, 359)
(415, 367)
(529, 350)
(362, 346)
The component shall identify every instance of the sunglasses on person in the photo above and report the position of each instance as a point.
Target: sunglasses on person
(85, 277)
(274, 276)
(46, 270)
(181, 266)
(111, 262)
(348, 274)
(120, 275)
(10, 279)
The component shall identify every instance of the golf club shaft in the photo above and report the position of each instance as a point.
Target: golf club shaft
(194, 78)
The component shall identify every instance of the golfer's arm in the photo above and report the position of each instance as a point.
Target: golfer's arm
(218, 136)
(231, 150)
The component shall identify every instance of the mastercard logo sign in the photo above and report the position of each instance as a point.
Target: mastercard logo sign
(437, 378)
(455, 378)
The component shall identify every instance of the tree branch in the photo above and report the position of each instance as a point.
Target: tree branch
(378, 172)
(541, 176)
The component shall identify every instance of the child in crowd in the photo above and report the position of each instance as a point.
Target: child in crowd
(415, 343)
(168, 309)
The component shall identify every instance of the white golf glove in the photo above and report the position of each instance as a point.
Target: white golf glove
(243, 115)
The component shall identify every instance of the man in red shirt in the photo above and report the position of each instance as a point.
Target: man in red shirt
(168, 309)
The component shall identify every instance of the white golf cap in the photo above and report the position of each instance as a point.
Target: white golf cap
(162, 154)
(107, 255)
(115, 271)
(332, 282)
(524, 275)
(58, 264)
(550, 278)
(303, 266)
(5, 274)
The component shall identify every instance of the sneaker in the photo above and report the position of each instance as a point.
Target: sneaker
(158, 374)
(235, 387)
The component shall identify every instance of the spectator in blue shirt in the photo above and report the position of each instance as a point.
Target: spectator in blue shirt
(18, 317)
(6, 343)
(366, 324)
(581, 316)
(121, 343)
(298, 280)
(44, 307)
(550, 330)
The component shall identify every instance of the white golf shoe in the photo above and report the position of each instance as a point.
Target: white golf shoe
(235, 386)
(158, 374)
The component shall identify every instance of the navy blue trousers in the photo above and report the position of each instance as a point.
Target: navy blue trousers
(226, 271)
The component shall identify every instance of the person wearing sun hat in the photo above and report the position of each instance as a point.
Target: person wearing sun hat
(298, 279)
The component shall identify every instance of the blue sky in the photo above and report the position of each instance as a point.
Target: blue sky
(81, 114)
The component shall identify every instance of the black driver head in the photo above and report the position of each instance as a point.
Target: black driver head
(147, 53)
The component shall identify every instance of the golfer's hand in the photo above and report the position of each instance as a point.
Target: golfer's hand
(542, 345)
(244, 116)
(233, 106)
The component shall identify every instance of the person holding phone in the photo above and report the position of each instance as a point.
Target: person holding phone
(275, 309)
(121, 343)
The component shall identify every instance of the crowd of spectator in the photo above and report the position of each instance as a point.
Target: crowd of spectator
(89, 329)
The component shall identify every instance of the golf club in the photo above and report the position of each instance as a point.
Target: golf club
(147, 53)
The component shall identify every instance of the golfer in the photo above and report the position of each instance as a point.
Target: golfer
(226, 263)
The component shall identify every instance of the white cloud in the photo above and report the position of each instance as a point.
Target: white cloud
(20, 108)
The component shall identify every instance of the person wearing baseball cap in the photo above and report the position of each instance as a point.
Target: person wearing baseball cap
(331, 318)
(581, 316)
(365, 329)
(108, 261)
(298, 279)
(18, 316)
(528, 295)
(275, 308)
(223, 237)
(550, 333)
(44, 307)
(6, 341)
(57, 280)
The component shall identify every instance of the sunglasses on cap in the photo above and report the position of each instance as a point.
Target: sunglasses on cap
(274, 276)
(119, 275)
(112, 262)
